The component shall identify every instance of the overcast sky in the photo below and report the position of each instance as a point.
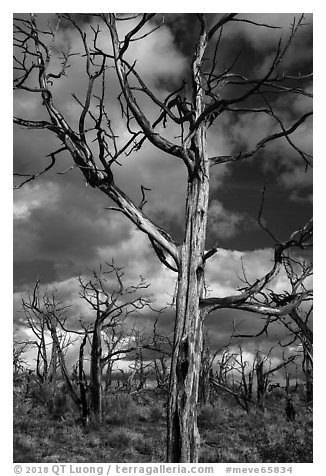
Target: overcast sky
(62, 229)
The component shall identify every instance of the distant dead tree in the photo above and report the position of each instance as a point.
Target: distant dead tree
(207, 370)
(235, 374)
(140, 368)
(290, 392)
(308, 372)
(289, 409)
(43, 311)
(112, 302)
(21, 371)
(297, 320)
(210, 91)
(82, 383)
(264, 374)
(19, 363)
(46, 317)
(230, 364)
(163, 343)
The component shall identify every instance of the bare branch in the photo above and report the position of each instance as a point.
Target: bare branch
(142, 121)
(34, 176)
(222, 159)
(300, 238)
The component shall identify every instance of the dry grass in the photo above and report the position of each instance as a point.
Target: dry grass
(49, 431)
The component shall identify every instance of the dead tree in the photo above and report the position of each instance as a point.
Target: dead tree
(261, 381)
(210, 91)
(243, 386)
(112, 302)
(263, 375)
(141, 368)
(46, 316)
(82, 383)
(297, 320)
(162, 355)
(42, 312)
(207, 370)
(235, 374)
(308, 372)
(289, 409)
(230, 364)
(21, 372)
(19, 363)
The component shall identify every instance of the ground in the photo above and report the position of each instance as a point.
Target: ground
(48, 430)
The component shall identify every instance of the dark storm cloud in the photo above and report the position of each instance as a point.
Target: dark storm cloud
(28, 271)
(65, 233)
(184, 27)
(62, 228)
(30, 151)
(79, 18)
(221, 325)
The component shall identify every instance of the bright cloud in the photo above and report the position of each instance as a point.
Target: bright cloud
(139, 259)
(226, 269)
(160, 50)
(33, 196)
(224, 223)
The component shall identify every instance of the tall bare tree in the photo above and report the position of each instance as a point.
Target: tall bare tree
(210, 91)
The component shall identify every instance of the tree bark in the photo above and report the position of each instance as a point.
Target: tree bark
(205, 376)
(183, 438)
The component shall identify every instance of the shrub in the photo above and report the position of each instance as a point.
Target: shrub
(208, 455)
(144, 447)
(156, 413)
(208, 417)
(123, 438)
(120, 409)
(286, 444)
(42, 394)
(58, 405)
